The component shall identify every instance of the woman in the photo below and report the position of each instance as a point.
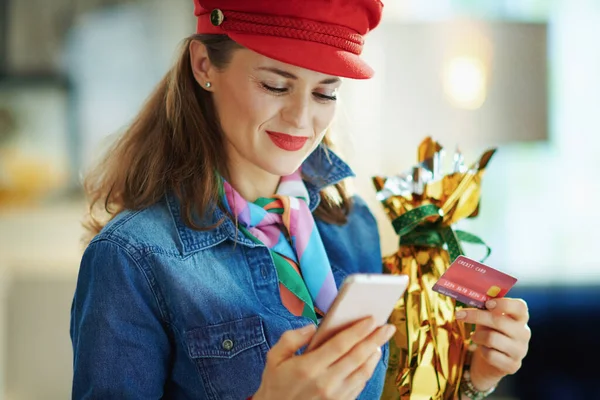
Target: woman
(229, 228)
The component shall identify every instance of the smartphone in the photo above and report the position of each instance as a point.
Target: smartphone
(360, 296)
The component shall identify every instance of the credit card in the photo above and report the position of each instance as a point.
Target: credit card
(473, 283)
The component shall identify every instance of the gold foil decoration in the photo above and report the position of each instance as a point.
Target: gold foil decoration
(429, 348)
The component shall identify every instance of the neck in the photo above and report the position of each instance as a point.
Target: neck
(251, 182)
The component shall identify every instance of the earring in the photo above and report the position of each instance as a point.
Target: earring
(207, 85)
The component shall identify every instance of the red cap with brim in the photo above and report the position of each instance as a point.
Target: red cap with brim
(330, 41)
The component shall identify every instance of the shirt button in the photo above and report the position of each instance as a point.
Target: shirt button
(227, 344)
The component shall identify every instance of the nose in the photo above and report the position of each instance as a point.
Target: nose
(297, 112)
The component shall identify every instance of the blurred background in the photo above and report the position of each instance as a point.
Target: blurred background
(518, 75)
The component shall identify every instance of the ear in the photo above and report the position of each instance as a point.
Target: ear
(202, 68)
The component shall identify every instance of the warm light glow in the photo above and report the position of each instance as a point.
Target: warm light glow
(465, 82)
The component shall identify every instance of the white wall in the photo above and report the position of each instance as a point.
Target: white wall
(539, 204)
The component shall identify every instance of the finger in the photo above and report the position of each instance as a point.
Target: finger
(332, 385)
(354, 395)
(357, 381)
(514, 308)
(495, 340)
(477, 317)
(499, 360)
(488, 319)
(341, 343)
(361, 353)
(498, 321)
(289, 343)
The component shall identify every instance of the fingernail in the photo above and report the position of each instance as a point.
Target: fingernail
(376, 356)
(461, 314)
(390, 330)
(490, 304)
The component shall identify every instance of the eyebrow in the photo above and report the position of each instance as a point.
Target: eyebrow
(289, 75)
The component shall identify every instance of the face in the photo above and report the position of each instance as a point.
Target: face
(273, 114)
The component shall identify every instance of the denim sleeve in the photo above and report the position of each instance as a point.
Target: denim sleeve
(120, 346)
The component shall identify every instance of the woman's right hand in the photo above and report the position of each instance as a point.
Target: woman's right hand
(339, 369)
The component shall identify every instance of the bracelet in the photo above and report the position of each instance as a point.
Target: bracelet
(466, 386)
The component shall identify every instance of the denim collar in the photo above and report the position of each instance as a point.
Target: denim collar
(321, 169)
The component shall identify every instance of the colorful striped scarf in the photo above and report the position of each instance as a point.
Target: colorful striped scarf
(285, 225)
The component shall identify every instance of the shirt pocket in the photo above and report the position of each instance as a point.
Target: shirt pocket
(230, 357)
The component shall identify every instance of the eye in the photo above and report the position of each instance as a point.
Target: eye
(325, 97)
(277, 90)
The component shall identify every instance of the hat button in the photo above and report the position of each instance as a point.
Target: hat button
(216, 17)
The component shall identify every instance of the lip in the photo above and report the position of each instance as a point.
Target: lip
(287, 142)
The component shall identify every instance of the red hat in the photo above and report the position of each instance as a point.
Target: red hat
(322, 35)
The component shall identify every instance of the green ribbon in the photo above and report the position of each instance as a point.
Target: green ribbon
(415, 229)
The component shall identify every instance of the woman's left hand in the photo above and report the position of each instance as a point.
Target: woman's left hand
(502, 337)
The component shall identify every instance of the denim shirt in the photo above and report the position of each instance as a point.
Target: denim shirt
(164, 311)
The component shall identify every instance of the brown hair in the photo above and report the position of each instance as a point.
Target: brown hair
(175, 144)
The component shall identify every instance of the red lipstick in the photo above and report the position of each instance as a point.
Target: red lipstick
(287, 142)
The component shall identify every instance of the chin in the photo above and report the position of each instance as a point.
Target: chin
(283, 165)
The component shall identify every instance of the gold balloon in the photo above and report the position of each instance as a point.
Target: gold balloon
(429, 348)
